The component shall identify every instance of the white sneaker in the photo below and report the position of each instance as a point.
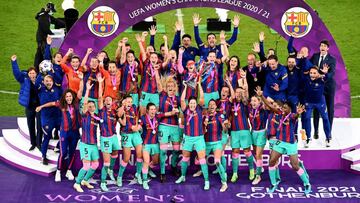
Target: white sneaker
(180, 180)
(69, 175)
(57, 176)
(197, 174)
(77, 187)
(215, 172)
(111, 174)
(87, 184)
(224, 187)
(328, 143)
(307, 143)
(256, 180)
(152, 174)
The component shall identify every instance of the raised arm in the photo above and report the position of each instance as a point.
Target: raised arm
(118, 51)
(176, 41)
(261, 51)
(182, 98)
(141, 46)
(81, 85)
(47, 53)
(290, 48)
(86, 97)
(158, 80)
(166, 51)
(197, 20)
(233, 38)
(224, 48)
(152, 31)
(201, 93)
(63, 65)
(88, 52)
(16, 70)
(259, 92)
(179, 61)
(101, 90)
(232, 92)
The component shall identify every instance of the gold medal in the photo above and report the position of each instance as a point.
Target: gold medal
(255, 79)
(114, 88)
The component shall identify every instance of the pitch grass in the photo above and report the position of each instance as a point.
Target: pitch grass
(18, 28)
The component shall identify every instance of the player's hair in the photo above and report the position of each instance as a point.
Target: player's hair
(31, 69)
(251, 53)
(279, 102)
(291, 57)
(314, 67)
(63, 103)
(169, 79)
(149, 105)
(58, 53)
(186, 36)
(288, 104)
(211, 101)
(75, 57)
(238, 63)
(112, 61)
(151, 53)
(128, 45)
(211, 51)
(130, 52)
(162, 45)
(257, 97)
(274, 57)
(103, 51)
(192, 98)
(91, 101)
(49, 76)
(326, 42)
(225, 86)
(211, 33)
(127, 96)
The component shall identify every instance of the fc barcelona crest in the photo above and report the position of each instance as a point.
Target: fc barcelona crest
(296, 21)
(103, 21)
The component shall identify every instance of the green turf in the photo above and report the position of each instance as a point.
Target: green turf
(18, 28)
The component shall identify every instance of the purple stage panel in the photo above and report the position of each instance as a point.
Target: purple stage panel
(328, 185)
(7, 123)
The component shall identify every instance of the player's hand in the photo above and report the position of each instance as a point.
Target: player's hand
(261, 36)
(120, 43)
(256, 47)
(89, 51)
(70, 51)
(258, 91)
(175, 111)
(125, 40)
(13, 57)
(181, 50)
(89, 85)
(38, 109)
(153, 30)
(48, 40)
(325, 68)
(196, 19)
(178, 26)
(236, 21)
(99, 78)
(222, 36)
(138, 38)
(300, 109)
(276, 87)
(80, 75)
(165, 38)
(242, 73)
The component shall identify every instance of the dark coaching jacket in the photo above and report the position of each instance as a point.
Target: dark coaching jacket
(24, 80)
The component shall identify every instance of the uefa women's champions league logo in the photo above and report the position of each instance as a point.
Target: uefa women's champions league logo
(296, 21)
(103, 21)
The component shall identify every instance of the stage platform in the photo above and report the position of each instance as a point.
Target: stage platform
(344, 153)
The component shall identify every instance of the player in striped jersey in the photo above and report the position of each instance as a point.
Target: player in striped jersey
(129, 72)
(215, 123)
(189, 74)
(210, 82)
(240, 131)
(194, 134)
(234, 72)
(130, 137)
(108, 140)
(150, 133)
(149, 91)
(169, 126)
(258, 118)
(286, 144)
(89, 152)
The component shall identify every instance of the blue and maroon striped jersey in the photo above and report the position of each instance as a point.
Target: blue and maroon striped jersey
(224, 107)
(166, 105)
(89, 127)
(94, 91)
(131, 115)
(214, 128)
(71, 119)
(150, 135)
(258, 117)
(127, 84)
(233, 76)
(286, 128)
(148, 81)
(193, 122)
(210, 82)
(108, 127)
(189, 91)
(239, 119)
(272, 124)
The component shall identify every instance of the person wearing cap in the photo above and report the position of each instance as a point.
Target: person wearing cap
(44, 18)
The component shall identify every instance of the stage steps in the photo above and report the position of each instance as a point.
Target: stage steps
(24, 131)
(23, 162)
(354, 157)
(14, 139)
